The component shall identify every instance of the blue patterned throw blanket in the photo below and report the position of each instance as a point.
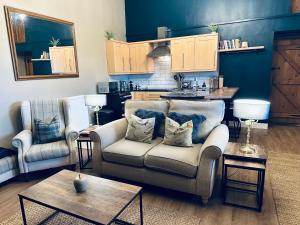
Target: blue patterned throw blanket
(4, 152)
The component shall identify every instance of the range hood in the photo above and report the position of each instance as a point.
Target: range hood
(161, 49)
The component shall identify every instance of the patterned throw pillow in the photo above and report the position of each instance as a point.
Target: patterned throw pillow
(159, 127)
(178, 135)
(197, 124)
(140, 130)
(47, 132)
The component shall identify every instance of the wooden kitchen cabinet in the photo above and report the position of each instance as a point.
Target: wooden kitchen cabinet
(147, 95)
(118, 57)
(195, 54)
(182, 54)
(206, 53)
(62, 60)
(128, 58)
(139, 60)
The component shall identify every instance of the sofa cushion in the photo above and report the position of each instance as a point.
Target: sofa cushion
(159, 128)
(197, 122)
(178, 135)
(131, 106)
(178, 160)
(52, 150)
(212, 110)
(7, 164)
(128, 152)
(140, 130)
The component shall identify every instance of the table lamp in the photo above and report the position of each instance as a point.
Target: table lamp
(95, 102)
(250, 111)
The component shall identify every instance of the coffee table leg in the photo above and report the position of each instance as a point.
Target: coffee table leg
(141, 208)
(22, 210)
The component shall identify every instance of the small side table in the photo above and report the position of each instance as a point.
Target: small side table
(233, 158)
(88, 141)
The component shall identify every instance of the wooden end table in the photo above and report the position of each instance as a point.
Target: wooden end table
(102, 203)
(84, 137)
(233, 158)
(87, 140)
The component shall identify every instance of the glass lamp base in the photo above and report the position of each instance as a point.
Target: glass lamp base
(247, 149)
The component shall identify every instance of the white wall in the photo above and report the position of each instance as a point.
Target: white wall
(91, 19)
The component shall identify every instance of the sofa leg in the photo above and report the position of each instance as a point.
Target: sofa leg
(204, 200)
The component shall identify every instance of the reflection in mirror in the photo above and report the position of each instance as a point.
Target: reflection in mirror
(42, 47)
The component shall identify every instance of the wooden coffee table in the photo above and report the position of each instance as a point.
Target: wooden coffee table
(102, 203)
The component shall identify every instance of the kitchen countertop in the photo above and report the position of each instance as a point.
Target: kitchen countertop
(224, 93)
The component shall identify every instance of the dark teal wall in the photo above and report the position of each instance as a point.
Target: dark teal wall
(253, 20)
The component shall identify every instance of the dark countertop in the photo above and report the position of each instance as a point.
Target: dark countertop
(224, 93)
(153, 90)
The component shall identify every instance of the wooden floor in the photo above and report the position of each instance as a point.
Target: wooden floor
(277, 138)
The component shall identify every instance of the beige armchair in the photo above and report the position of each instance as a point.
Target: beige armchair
(33, 157)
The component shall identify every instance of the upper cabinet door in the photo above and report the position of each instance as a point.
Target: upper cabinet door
(177, 55)
(189, 54)
(125, 58)
(133, 57)
(206, 53)
(145, 64)
(183, 54)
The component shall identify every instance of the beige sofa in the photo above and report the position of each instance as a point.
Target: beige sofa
(187, 169)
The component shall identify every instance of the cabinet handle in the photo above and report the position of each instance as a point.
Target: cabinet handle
(130, 67)
(123, 63)
(182, 60)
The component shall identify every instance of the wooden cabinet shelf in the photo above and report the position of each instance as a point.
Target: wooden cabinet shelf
(255, 48)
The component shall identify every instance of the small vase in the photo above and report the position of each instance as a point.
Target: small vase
(80, 184)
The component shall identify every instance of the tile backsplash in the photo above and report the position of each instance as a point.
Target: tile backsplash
(162, 78)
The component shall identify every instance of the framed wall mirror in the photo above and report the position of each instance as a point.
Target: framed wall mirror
(42, 47)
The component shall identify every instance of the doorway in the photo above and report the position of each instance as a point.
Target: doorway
(285, 79)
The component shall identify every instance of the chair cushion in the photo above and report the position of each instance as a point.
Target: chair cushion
(178, 160)
(128, 152)
(7, 164)
(140, 130)
(46, 132)
(52, 150)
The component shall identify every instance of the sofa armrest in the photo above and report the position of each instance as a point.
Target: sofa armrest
(104, 136)
(215, 143)
(109, 133)
(210, 153)
(23, 142)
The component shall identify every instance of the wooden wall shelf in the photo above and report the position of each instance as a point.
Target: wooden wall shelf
(255, 48)
(35, 60)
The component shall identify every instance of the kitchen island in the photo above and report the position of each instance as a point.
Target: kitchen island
(226, 94)
(222, 94)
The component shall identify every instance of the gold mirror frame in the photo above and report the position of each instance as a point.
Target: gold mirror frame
(9, 24)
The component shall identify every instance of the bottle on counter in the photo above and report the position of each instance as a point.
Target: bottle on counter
(221, 81)
(130, 85)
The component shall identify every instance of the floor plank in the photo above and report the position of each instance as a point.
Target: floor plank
(278, 139)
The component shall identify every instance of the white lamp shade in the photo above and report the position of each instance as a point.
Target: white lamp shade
(95, 100)
(251, 109)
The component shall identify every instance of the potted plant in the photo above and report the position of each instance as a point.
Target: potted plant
(54, 42)
(213, 28)
(109, 35)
